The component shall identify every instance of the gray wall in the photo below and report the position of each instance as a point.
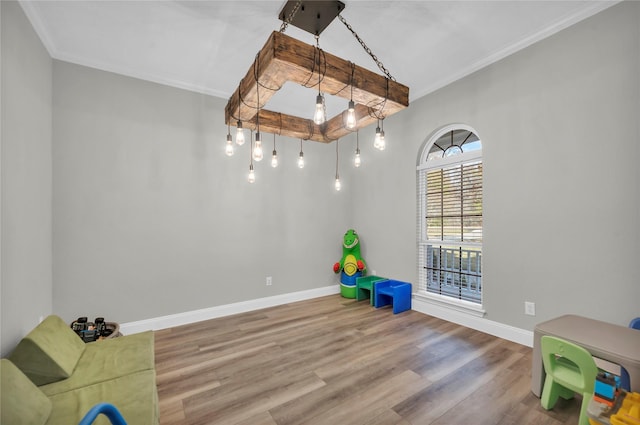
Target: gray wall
(26, 289)
(559, 125)
(151, 218)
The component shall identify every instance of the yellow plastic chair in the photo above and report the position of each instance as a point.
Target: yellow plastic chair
(570, 369)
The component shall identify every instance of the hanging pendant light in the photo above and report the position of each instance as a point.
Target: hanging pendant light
(252, 175)
(301, 157)
(376, 140)
(351, 115)
(356, 159)
(380, 130)
(257, 150)
(379, 142)
(319, 116)
(351, 108)
(382, 143)
(337, 183)
(229, 147)
(239, 129)
(239, 134)
(274, 156)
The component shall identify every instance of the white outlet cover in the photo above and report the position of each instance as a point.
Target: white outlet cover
(529, 308)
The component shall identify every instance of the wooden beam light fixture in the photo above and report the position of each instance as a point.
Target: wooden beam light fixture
(371, 97)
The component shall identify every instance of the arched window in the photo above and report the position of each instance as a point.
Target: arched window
(449, 189)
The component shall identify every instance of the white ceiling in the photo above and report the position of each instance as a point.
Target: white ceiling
(207, 46)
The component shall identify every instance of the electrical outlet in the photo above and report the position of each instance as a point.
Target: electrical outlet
(529, 308)
(269, 280)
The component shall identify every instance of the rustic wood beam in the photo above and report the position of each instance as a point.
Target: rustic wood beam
(301, 128)
(283, 59)
(286, 125)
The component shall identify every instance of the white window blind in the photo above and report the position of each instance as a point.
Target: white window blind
(450, 247)
(454, 203)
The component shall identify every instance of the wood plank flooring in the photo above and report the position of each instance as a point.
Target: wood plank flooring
(336, 361)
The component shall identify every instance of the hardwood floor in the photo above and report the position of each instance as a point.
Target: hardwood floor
(336, 361)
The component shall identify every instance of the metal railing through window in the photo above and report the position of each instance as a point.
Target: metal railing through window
(454, 271)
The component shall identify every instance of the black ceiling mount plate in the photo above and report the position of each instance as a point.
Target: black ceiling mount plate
(312, 16)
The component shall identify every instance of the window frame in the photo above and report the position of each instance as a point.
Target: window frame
(423, 166)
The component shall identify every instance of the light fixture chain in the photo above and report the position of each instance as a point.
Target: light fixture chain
(287, 21)
(367, 49)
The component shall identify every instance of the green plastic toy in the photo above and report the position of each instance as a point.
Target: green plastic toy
(351, 265)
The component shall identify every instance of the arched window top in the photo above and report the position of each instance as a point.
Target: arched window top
(454, 142)
(448, 143)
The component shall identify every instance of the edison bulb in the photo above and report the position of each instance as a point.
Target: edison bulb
(252, 175)
(257, 149)
(351, 115)
(338, 185)
(274, 159)
(301, 160)
(356, 160)
(376, 140)
(240, 134)
(318, 116)
(382, 144)
(229, 147)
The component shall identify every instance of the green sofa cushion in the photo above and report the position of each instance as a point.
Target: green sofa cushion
(134, 395)
(108, 359)
(49, 352)
(21, 401)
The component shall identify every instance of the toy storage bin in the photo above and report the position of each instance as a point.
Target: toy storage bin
(625, 412)
(629, 411)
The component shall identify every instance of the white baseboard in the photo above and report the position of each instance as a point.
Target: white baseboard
(224, 310)
(500, 330)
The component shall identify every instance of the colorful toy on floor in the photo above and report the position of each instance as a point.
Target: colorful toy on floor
(606, 389)
(351, 265)
(392, 292)
(364, 287)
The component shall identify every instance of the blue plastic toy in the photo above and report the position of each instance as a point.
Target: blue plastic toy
(394, 292)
